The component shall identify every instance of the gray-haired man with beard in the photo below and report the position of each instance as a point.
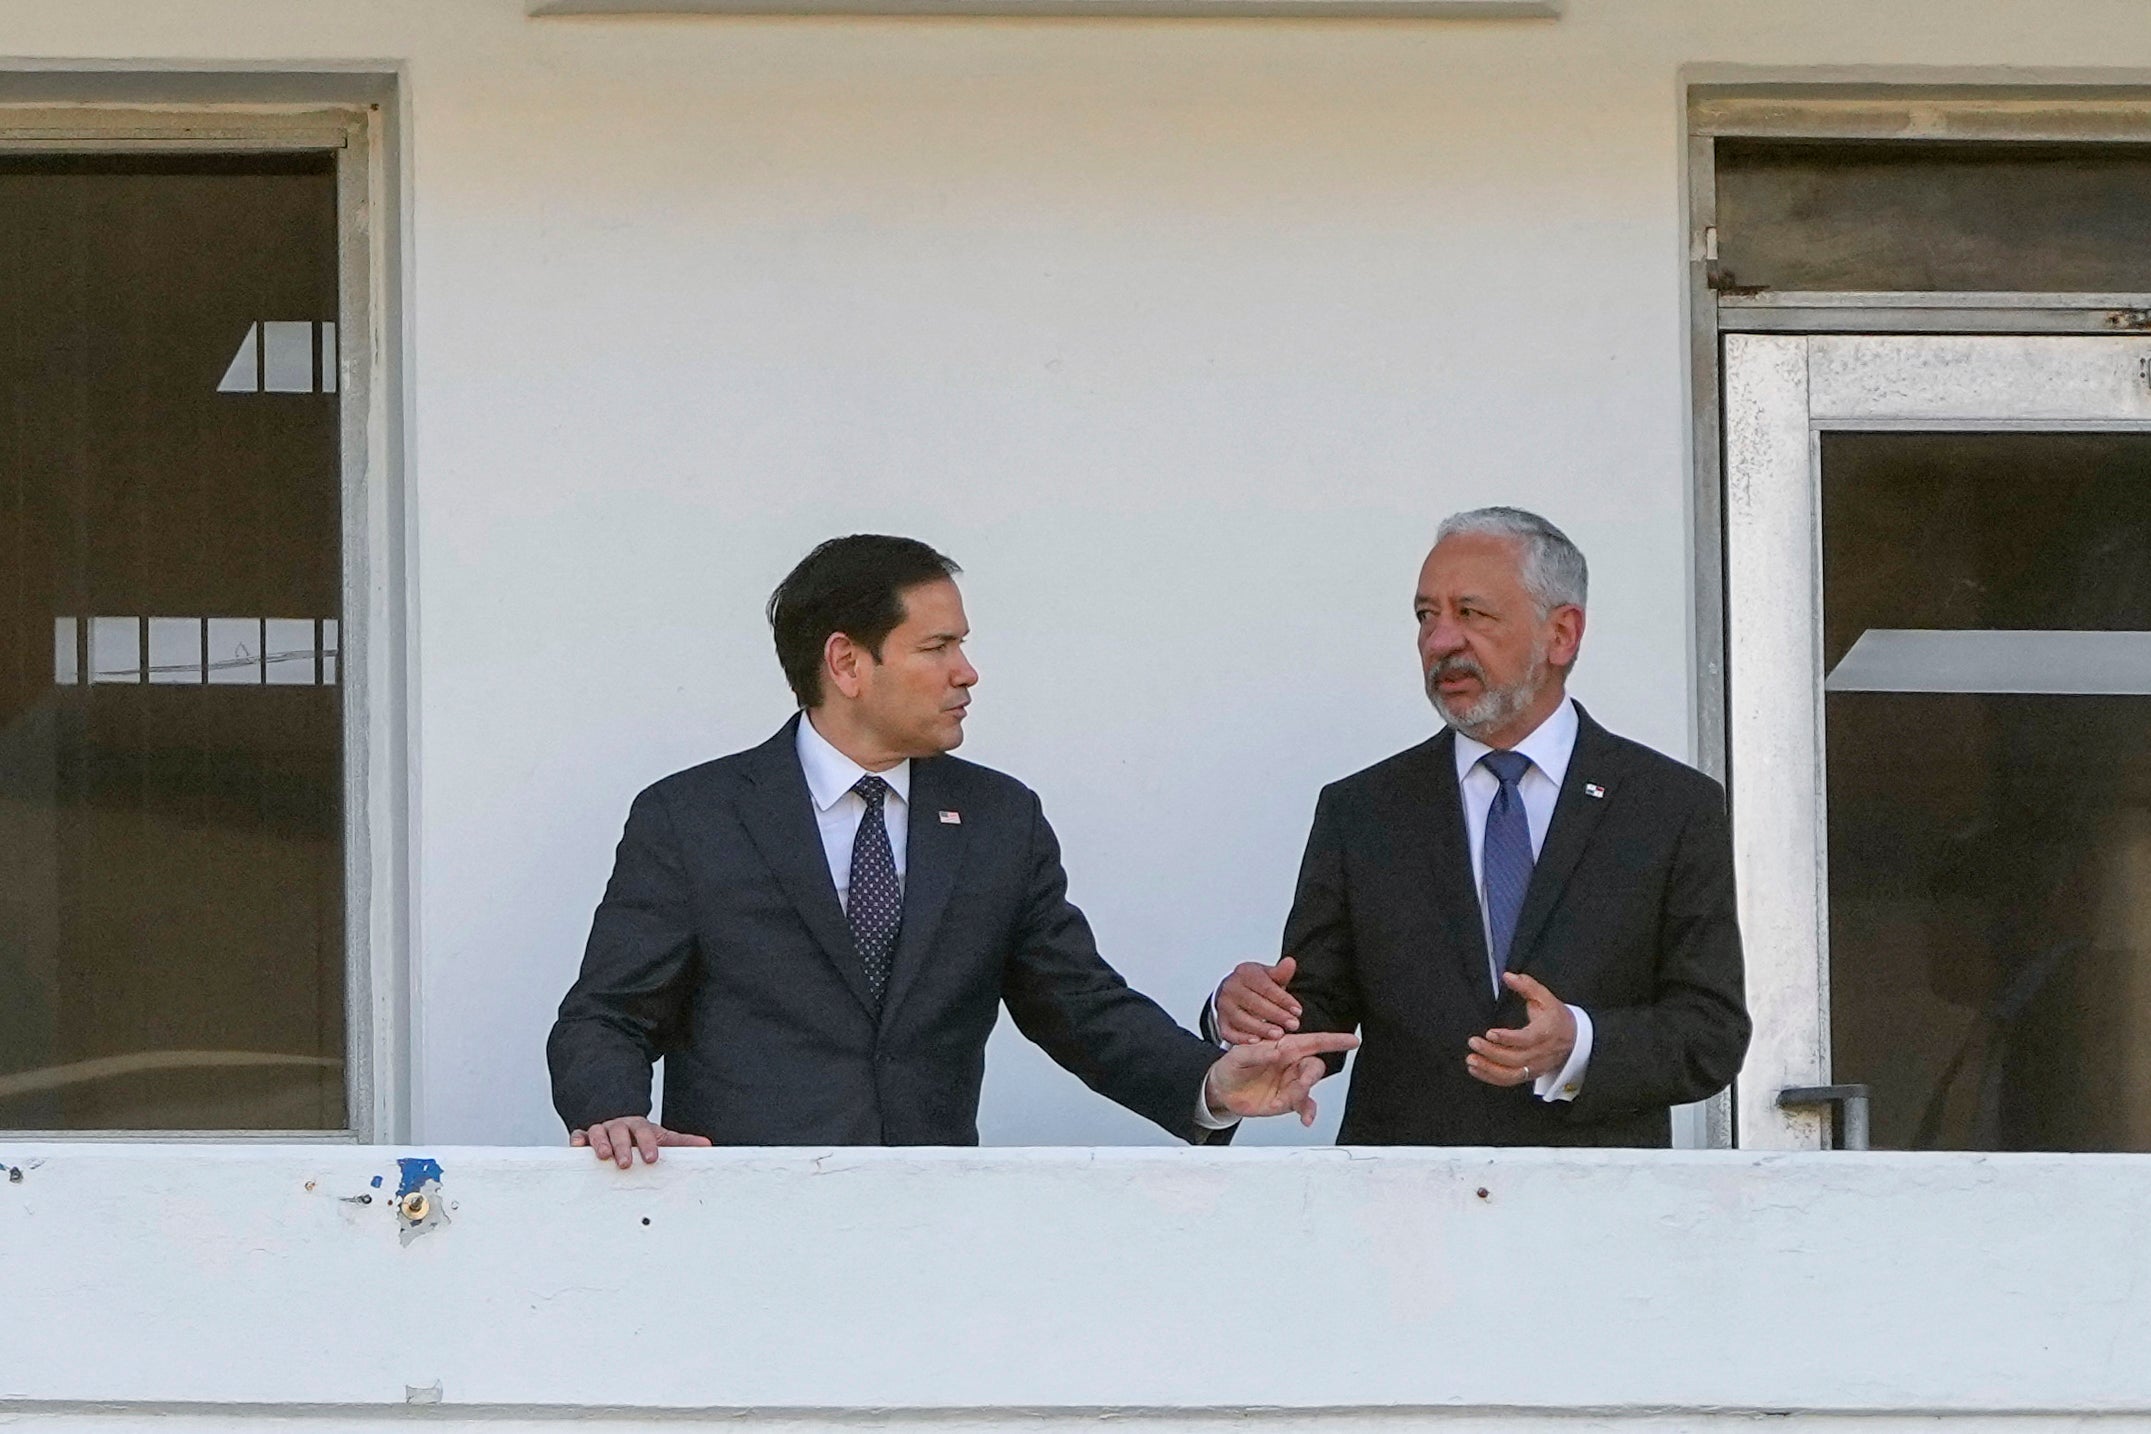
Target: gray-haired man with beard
(1528, 919)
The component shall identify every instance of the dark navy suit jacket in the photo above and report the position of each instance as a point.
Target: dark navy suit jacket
(720, 946)
(1629, 915)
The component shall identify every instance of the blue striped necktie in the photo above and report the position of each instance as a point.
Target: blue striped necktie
(1506, 855)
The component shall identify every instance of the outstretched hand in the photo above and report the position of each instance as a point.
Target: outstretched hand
(1540, 1047)
(1272, 1077)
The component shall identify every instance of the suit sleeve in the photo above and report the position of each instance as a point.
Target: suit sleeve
(1318, 931)
(634, 977)
(1687, 1043)
(1074, 1006)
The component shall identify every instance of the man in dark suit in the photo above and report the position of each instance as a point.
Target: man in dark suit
(1529, 919)
(817, 934)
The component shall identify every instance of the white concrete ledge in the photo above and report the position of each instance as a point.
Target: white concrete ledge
(1064, 9)
(966, 1288)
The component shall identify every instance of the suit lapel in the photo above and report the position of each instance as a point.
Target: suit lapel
(779, 816)
(1444, 861)
(933, 853)
(1576, 815)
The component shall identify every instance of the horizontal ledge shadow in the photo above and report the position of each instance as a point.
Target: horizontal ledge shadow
(1067, 9)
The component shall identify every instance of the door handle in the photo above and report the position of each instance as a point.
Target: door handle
(1847, 1105)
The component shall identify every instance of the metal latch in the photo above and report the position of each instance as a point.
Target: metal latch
(1847, 1105)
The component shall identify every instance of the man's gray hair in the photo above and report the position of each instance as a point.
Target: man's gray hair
(1554, 571)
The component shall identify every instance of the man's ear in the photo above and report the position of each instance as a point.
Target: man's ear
(842, 660)
(1567, 622)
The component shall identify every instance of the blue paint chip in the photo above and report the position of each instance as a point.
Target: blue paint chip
(416, 1172)
(376, 1182)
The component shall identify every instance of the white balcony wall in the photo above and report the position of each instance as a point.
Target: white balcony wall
(1180, 336)
(227, 1288)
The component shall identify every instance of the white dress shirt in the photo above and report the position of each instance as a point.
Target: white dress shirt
(837, 812)
(837, 808)
(1549, 747)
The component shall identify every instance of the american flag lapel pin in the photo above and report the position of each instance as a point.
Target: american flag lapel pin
(952, 819)
(1593, 789)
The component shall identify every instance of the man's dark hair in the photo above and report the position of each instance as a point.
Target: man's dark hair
(853, 585)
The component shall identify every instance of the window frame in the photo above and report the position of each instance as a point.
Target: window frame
(1738, 101)
(373, 666)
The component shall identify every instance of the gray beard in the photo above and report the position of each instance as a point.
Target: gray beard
(1494, 708)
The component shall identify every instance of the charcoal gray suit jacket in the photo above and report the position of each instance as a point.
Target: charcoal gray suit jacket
(720, 946)
(1629, 915)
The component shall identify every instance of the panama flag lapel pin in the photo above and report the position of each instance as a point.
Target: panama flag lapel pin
(1590, 789)
(952, 819)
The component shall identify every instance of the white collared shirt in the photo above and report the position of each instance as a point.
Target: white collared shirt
(837, 808)
(1549, 746)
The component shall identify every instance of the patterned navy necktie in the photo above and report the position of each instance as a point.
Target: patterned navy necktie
(1506, 855)
(876, 901)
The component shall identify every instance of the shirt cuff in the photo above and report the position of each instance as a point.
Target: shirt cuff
(1203, 1114)
(1567, 1083)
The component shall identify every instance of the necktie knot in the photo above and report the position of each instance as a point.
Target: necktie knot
(871, 789)
(1508, 767)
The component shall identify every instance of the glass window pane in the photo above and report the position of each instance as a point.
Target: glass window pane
(116, 649)
(175, 649)
(288, 651)
(171, 863)
(287, 357)
(1922, 217)
(66, 651)
(1989, 785)
(235, 650)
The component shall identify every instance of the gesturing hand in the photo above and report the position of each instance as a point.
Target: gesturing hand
(1540, 1047)
(1272, 1077)
(618, 1140)
(1253, 1005)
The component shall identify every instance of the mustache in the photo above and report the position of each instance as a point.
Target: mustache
(1458, 666)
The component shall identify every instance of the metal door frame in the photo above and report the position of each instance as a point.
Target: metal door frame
(1782, 392)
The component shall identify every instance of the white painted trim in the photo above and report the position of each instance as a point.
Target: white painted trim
(104, 127)
(1065, 9)
(374, 657)
(2021, 378)
(236, 1138)
(80, 1418)
(1773, 596)
(1920, 104)
(1945, 299)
